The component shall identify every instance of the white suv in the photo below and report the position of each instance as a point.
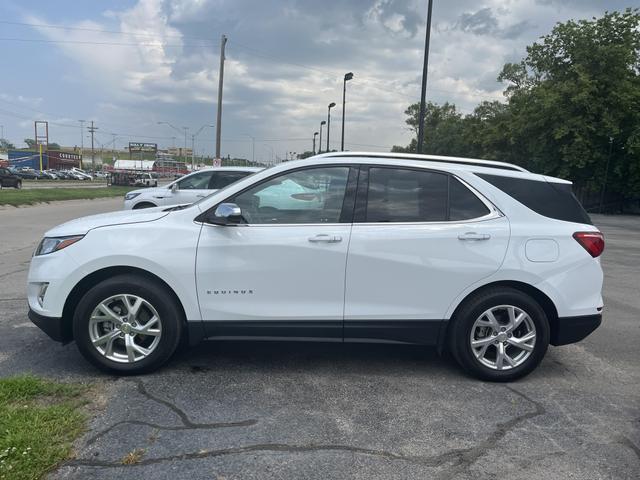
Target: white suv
(187, 189)
(483, 258)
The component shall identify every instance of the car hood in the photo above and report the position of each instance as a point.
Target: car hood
(81, 226)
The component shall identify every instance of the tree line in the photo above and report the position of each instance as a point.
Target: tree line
(572, 110)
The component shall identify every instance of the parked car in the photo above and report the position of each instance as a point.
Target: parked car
(81, 174)
(187, 189)
(27, 173)
(145, 180)
(483, 258)
(9, 179)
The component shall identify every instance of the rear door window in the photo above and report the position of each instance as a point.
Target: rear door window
(402, 195)
(463, 203)
(409, 195)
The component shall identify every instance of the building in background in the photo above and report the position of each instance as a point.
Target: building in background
(51, 160)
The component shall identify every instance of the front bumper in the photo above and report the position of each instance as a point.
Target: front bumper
(573, 329)
(55, 327)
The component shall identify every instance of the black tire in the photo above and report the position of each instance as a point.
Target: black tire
(18, 185)
(157, 295)
(460, 331)
(143, 205)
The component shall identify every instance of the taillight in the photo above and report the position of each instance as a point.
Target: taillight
(592, 242)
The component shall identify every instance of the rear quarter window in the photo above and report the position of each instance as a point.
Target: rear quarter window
(550, 199)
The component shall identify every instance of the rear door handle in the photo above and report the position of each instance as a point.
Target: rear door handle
(325, 238)
(474, 236)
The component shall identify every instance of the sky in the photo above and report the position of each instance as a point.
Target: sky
(128, 65)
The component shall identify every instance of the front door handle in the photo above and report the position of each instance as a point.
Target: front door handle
(325, 238)
(474, 236)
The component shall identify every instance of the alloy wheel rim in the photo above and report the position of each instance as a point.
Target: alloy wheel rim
(503, 337)
(125, 328)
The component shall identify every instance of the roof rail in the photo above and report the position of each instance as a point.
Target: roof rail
(430, 158)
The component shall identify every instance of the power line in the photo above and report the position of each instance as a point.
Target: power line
(83, 42)
(97, 30)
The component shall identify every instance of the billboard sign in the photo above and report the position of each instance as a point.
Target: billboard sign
(143, 147)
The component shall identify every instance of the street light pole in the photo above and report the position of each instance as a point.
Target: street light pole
(223, 43)
(323, 122)
(315, 134)
(329, 107)
(193, 144)
(347, 77)
(425, 68)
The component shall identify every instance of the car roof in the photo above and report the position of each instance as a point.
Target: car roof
(237, 169)
(436, 162)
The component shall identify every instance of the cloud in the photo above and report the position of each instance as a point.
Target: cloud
(285, 63)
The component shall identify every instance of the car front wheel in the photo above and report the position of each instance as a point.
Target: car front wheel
(127, 325)
(500, 335)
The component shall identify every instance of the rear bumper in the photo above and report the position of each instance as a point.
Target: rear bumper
(52, 326)
(573, 329)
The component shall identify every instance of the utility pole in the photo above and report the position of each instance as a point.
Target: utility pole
(425, 68)
(92, 129)
(81, 142)
(315, 134)
(193, 149)
(223, 42)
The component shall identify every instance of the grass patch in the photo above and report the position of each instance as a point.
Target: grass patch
(31, 196)
(39, 420)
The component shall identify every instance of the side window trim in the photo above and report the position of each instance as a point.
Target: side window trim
(360, 212)
(346, 213)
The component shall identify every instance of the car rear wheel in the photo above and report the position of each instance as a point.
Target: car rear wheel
(127, 325)
(18, 185)
(500, 334)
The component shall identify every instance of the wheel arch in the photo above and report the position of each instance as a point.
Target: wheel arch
(143, 204)
(84, 285)
(538, 295)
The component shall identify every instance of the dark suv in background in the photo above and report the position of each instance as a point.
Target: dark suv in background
(9, 179)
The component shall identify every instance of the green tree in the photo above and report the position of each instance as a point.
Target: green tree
(575, 97)
(572, 108)
(31, 143)
(444, 130)
(6, 144)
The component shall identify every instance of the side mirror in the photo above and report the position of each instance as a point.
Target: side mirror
(175, 187)
(227, 214)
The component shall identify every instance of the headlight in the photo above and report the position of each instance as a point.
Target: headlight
(53, 244)
(131, 196)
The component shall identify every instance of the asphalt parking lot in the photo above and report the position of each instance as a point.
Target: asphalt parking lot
(345, 411)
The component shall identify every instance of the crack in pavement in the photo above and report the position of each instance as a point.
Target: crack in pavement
(469, 458)
(187, 424)
(11, 273)
(622, 440)
(461, 459)
(274, 447)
